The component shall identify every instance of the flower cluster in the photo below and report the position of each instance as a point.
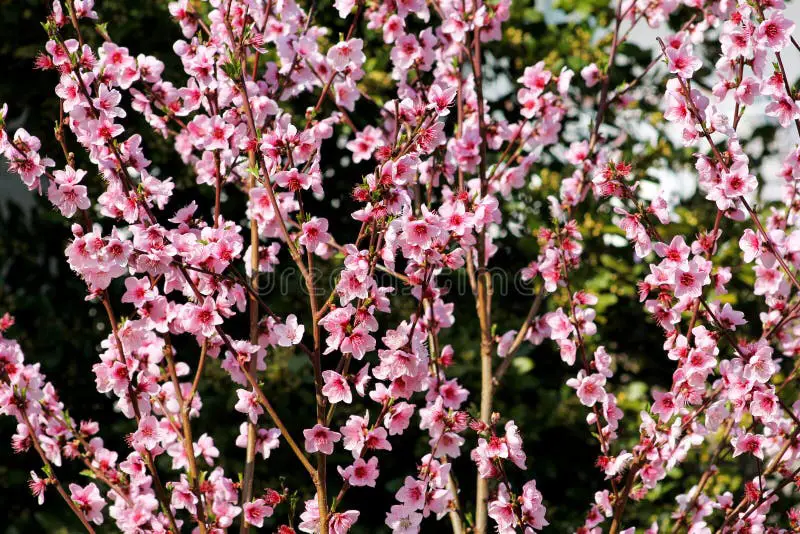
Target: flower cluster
(442, 165)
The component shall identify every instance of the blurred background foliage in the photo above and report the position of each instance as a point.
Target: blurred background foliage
(58, 328)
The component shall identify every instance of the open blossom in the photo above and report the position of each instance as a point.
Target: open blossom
(315, 233)
(138, 291)
(560, 325)
(750, 444)
(66, 193)
(267, 440)
(88, 501)
(346, 54)
(249, 404)
(293, 180)
(664, 406)
(38, 486)
(336, 388)
(589, 388)
(775, 31)
(412, 494)
(290, 333)
(750, 243)
(148, 434)
(737, 181)
(340, 523)
(203, 319)
(361, 473)
(785, 109)
(256, 511)
(590, 75)
(681, 62)
(320, 439)
(689, 282)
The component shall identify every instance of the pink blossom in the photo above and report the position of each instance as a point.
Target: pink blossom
(412, 494)
(320, 439)
(203, 319)
(256, 511)
(65, 193)
(785, 109)
(689, 282)
(590, 74)
(138, 291)
(664, 406)
(361, 473)
(750, 243)
(148, 434)
(336, 388)
(315, 233)
(38, 486)
(775, 31)
(340, 523)
(346, 54)
(589, 388)
(749, 443)
(681, 62)
(560, 325)
(88, 501)
(248, 404)
(290, 333)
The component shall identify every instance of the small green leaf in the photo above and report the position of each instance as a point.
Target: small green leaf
(523, 364)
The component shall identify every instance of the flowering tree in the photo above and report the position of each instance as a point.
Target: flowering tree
(263, 88)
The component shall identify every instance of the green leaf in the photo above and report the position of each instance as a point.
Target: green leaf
(523, 364)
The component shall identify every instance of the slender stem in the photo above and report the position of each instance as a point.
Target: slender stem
(519, 338)
(52, 474)
(483, 301)
(188, 440)
(250, 454)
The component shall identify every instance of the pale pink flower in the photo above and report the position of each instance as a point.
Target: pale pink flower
(38, 486)
(785, 109)
(315, 233)
(340, 523)
(256, 511)
(88, 501)
(664, 406)
(775, 31)
(336, 388)
(293, 180)
(203, 319)
(346, 54)
(750, 243)
(689, 282)
(590, 74)
(320, 439)
(412, 494)
(148, 433)
(290, 332)
(681, 62)
(403, 520)
(749, 443)
(560, 325)
(361, 473)
(66, 193)
(138, 291)
(248, 403)
(589, 388)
